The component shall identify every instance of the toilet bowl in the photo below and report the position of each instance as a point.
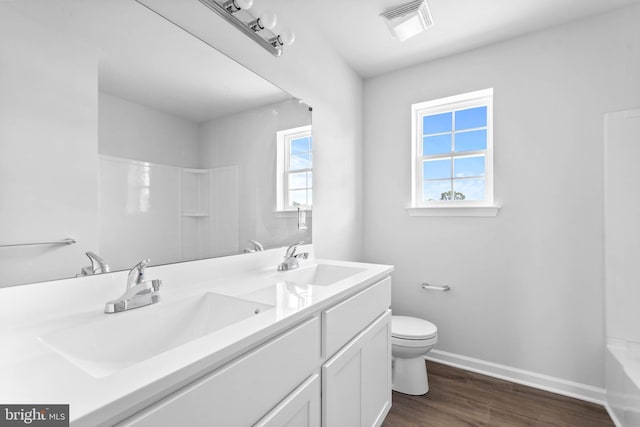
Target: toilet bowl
(411, 340)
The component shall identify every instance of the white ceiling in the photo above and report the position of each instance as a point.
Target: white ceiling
(360, 36)
(148, 60)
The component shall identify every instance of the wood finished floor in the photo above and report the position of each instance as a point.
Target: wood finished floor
(461, 398)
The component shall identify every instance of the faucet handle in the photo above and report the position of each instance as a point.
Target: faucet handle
(257, 245)
(141, 266)
(291, 250)
(136, 274)
(98, 265)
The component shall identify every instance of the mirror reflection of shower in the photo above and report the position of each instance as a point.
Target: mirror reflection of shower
(138, 188)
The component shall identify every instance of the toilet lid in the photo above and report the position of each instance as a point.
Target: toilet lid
(412, 328)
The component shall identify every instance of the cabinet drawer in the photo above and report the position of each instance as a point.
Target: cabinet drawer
(243, 391)
(346, 319)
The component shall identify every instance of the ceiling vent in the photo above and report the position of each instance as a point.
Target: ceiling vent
(409, 19)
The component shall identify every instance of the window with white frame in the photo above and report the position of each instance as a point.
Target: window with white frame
(295, 169)
(453, 151)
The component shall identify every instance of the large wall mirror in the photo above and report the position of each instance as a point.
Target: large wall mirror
(137, 140)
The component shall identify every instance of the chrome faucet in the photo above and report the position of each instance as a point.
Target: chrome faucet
(291, 258)
(257, 247)
(98, 265)
(139, 292)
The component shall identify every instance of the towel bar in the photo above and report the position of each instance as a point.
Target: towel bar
(67, 241)
(443, 288)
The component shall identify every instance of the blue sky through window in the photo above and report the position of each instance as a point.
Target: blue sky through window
(437, 169)
(437, 123)
(473, 189)
(301, 145)
(301, 161)
(473, 140)
(471, 118)
(300, 183)
(298, 180)
(468, 166)
(432, 190)
(440, 137)
(438, 144)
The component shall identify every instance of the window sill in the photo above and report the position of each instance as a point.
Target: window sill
(454, 211)
(290, 214)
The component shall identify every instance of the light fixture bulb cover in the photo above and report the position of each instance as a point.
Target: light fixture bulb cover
(268, 19)
(408, 20)
(406, 27)
(287, 37)
(244, 4)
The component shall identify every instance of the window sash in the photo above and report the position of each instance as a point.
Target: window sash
(445, 105)
(288, 138)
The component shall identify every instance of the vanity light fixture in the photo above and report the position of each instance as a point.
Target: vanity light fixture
(259, 29)
(408, 20)
(286, 38)
(266, 21)
(233, 6)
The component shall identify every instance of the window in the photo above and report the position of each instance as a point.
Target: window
(452, 151)
(295, 169)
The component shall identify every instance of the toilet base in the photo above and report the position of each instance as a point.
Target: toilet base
(409, 376)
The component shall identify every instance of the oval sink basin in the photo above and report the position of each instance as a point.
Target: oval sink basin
(319, 274)
(117, 341)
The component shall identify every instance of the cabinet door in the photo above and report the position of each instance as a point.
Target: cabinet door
(356, 387)
(300, 409)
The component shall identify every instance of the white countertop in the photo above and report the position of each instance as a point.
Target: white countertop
(32, 373)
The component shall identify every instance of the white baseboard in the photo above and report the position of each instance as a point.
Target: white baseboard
(520, 376)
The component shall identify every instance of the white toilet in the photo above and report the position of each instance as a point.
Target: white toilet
(411, 340)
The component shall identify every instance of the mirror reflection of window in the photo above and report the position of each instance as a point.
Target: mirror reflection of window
(295, 169)
(300, 171)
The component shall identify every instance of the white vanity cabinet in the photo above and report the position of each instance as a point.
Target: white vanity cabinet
(332, 370)
(356, 381)
(243, 391)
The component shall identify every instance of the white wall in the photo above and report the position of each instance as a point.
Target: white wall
(527, 285)
(48, 120)
(137, 132)
(312, 71)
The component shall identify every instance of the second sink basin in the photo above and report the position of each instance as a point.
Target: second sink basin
(319, 274)
(117, 341)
